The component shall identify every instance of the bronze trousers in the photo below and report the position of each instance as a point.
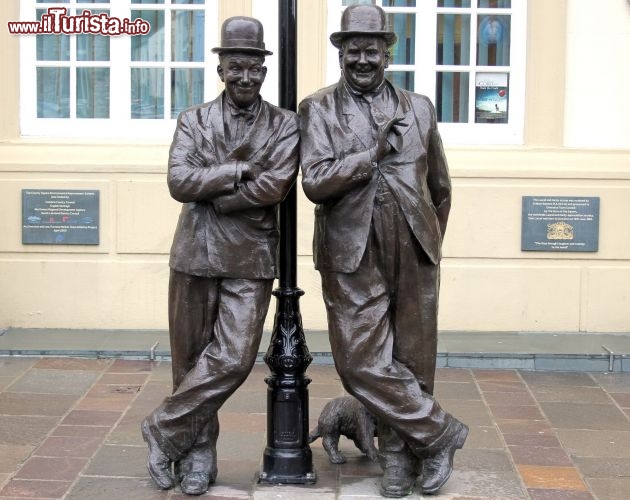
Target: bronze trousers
(215, 327)
(382, 323)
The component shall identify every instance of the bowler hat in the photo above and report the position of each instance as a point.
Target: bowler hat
(363, 20)
(242, 34)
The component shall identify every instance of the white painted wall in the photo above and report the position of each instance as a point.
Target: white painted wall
(597, 99)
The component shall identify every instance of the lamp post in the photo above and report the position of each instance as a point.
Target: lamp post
(287, 458)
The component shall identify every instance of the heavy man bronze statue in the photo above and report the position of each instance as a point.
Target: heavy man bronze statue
(231, 162)
(372, 161)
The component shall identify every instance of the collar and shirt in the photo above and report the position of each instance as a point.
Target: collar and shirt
(238, 120)
(378, 105)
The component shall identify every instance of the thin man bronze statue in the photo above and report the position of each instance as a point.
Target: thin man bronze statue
(231, 162)
(373, 162)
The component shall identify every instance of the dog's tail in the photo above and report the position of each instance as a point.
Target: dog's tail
(314, 434)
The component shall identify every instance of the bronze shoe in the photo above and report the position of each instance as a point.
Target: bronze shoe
(158, 463)
(195, 483)
(397, 481)
(437, 469)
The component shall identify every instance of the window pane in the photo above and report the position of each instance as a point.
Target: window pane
(52, 1)
(452, 97)
(186, 89)
(188, 1)
(149, 47)
(493, 46)
(92, 1)
(187, 29)
(495, 4)
(402, 79)
(92, 92)
(52, 47)
(491, 98)
(147, 93)
(53, 92)
(453, 3)
(93, 47)
(399, 3)
(147, 1)
(453, 39)
(404, 25)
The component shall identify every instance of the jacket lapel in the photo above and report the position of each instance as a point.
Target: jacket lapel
(212, 128)
(354, 118)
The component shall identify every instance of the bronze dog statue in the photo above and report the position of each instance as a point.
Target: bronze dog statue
(348, 417)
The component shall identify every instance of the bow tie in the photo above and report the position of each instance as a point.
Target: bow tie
(245, 114)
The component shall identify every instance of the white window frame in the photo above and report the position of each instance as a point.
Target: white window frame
(426, 69)
(119, 125)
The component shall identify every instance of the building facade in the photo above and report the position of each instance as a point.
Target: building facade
(532, 98)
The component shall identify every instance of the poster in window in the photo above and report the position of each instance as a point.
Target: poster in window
(491, 98)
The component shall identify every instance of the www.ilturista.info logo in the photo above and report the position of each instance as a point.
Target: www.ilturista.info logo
(58, 22)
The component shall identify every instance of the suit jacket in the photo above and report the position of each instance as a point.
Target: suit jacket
(225, 229)
(339, 176)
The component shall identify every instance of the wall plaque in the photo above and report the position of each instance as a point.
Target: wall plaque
(560, 224)
(60, 217)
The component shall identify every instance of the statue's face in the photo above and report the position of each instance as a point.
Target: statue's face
(243, 75)
(363, 60)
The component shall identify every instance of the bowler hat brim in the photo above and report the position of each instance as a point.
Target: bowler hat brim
(245, 50)
(338, 37)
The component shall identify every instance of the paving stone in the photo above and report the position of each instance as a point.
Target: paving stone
(73, 364)
(55, 381)
(26, 488)
(517, 412)
(613, 382)
(469, 412)
(551, 478)
(89, 417)
(127, 432)
(547, 440)
(603, 443)
(242, 422)
(502, 386)
(540, 494)
(509, 398)
(52, 468)
(124, 378)
(25, 403)
(131, 366)
(497, 375)
(5, 382)
(570, 394)
(80, 431)
(585, 416)
(483, 485)
(483, 460)
(236, 445)
(328, 391)
(453, 375)
(364, 488)
(253, 402)
(123, 461)
(14, 367)
(603, 467)
(524, 426)
(580, 379)
(610, 489)
(538, 455)
(456, 390)
(23, 430)
(106, 488)
(69, 446)
(483, 437)
(108, 397)
(622, 399)
(13, 456)
(239, 473)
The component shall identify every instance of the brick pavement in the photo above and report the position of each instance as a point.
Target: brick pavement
(69, 428)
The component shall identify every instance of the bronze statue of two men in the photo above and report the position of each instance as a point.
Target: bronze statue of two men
(372, 160)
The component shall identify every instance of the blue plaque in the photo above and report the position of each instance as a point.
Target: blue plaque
(560, 224)
(60, 217)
